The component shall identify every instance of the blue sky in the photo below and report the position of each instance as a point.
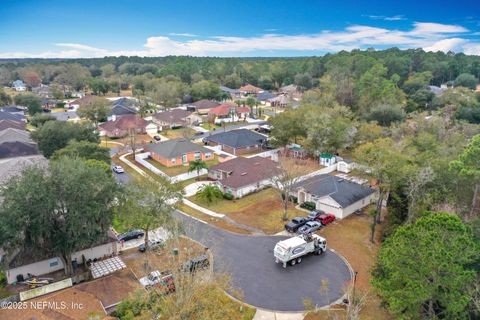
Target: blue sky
(54, 28)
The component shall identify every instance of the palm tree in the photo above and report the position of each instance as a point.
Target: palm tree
(210, 193)
(197, 165)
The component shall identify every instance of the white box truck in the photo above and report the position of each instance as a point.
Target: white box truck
(292, 250)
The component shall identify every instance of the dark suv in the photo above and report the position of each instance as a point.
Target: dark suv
(132, 234)
(295, 223)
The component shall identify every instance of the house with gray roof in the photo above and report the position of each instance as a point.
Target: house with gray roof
(238, 141)
(178, 152)
(13, 135)
(121, 107)
(265, 95)
(334, 195)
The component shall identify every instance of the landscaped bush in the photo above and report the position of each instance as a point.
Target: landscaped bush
(228, 196)
(308, 205)
(293, 199)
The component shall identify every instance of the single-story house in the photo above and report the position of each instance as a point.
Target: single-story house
(177, 152)
(174, 118)
(42, 90)
(19, 85)
(15, 110)
(5, 124)
(292, 91)
(75, 104)
(39, 263)
(66, 116)
(334, 195)
(279, 101)
(122, 125)
(237, 142)
(327, 159)
(15, 135)
(234, 93)
(11, 149)
(122, 107)
(265, 96)
(202, 106)
(228, 113)
(5, 114)
(250, 89)
(241, 176)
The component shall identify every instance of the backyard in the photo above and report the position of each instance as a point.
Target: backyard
(178, 133)
(175, 171)
(261, 210)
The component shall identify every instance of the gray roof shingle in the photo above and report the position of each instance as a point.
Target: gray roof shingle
(344, 192)
(238, 138)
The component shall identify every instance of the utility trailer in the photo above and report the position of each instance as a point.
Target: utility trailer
(293, 249)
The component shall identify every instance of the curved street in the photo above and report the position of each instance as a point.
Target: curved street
(265, 284)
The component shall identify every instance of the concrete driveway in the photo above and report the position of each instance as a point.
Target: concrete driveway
(249, 260)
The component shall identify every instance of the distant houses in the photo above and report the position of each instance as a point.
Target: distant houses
(19, 86)
(228, 113)
(122, 126)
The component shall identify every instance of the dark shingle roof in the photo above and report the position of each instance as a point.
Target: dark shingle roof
(264, 96)
(246, 171)
(237, 138)
(344, 192)
(5, 124)
(175, 116)
(175, 148)
(5, 115)
(121, 110)
(17, 149)
(14, 135)
(205, 104)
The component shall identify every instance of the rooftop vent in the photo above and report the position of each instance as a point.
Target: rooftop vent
(244, 174)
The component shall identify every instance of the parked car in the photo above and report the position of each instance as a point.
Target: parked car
(152, 244)
(158, 138)
(295, 223)
(197, 263)
(130, 235)
(326, 218)
(314, 214)
(118, 169)
(159, 280)
(309, 227)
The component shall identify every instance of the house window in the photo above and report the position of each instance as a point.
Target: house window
(53, 263)
(197, 155)
(174, 161)
(184, 158)
(208, 154)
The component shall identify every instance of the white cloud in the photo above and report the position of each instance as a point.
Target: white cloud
(446, 45)
(392, 18)
(183, 34)
(427, 35)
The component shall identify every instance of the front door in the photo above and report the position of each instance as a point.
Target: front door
(184, 158)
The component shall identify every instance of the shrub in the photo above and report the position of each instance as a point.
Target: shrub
(308, 205)
(293, 199)
(228, 196)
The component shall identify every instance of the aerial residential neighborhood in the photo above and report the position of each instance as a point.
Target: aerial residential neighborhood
(254, 161)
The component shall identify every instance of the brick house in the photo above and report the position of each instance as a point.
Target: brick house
(122, 125)
(177, 152)
(237, 142)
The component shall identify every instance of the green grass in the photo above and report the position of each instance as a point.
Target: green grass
(178, 133)
(175, 171)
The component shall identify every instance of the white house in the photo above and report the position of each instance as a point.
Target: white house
(334, 195)
(24, 263)
(19, 85)
(327, 160)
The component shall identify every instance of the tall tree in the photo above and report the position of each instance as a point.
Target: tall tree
(65, 210)
(467, 165)
(424, 269)
(55, 135)
(95, 109)
(32, 102)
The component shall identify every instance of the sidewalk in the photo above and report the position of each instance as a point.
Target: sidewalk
(269, 315)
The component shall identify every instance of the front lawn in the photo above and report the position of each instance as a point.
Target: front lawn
(261, 210)
(178, 133)
(175, 171)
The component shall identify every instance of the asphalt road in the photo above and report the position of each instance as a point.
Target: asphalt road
(265, 284)
(121, 177)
